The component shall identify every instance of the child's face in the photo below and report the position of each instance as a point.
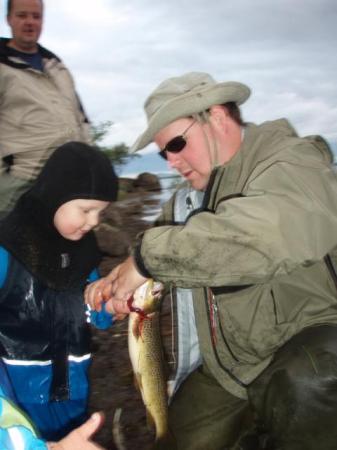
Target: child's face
(75, 218)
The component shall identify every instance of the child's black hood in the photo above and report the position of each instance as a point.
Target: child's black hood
(75, 170)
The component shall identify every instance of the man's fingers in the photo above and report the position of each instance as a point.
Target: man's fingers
(120, 316)
(107, 291)
(119, 308)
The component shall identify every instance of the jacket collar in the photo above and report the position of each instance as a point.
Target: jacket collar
(6, 55)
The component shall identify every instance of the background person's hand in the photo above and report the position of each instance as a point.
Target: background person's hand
(80, 438)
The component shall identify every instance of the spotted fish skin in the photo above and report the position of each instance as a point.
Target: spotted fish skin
(146, 354)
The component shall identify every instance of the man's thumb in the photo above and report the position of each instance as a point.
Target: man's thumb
(91, 425)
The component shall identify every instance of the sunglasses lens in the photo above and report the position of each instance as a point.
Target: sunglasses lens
(162, 153)
(176, 144)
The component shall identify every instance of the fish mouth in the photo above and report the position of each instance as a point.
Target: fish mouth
(143, 314)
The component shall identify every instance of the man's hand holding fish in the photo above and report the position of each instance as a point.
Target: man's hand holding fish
(115, 289)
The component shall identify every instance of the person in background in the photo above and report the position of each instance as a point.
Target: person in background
(39, 107)
(18, 433)
(48, 253)
(250, 242)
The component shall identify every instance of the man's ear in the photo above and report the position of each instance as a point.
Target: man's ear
(218, 116)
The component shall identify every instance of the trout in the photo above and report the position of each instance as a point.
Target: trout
(146, 355)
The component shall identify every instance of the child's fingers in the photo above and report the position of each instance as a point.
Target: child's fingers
(93, 295)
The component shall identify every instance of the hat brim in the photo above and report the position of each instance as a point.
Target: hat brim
(191, 102)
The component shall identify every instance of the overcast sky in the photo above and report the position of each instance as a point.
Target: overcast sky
(119, 51)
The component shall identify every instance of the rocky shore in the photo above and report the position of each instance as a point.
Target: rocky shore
(112, 387)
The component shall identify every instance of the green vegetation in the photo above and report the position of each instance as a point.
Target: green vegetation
(118, 154)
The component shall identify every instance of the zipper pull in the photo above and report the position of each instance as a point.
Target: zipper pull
(213, 312)
(189, 204)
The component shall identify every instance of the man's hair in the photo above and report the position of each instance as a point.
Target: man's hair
(10, 4)
(234, 112)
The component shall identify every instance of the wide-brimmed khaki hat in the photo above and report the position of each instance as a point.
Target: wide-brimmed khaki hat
(183, 96)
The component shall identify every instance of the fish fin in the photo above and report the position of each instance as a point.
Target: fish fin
(136, 329)
(138, 381)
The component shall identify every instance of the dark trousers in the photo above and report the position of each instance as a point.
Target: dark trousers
(292, 405)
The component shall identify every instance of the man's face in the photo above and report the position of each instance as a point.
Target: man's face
(25, 20)
(205, 145)
(194, 161)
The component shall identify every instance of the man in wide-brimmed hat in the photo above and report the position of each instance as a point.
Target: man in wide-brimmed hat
(247, 244)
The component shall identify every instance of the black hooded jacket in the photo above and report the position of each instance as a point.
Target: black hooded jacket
(42, 311)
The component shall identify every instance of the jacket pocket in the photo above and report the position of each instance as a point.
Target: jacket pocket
(250, 322)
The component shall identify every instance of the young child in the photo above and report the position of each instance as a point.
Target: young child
(48, 253)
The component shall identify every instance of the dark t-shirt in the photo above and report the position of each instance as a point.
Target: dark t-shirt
(33, 59)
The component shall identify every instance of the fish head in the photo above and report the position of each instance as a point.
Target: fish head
(147, 297)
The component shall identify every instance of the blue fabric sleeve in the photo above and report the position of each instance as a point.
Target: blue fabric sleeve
(6, 389)
(94, 275)
(3, 265)
(99, 319)
(16, 430)
(10, 440)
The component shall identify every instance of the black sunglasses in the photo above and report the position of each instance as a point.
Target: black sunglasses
(176, 144)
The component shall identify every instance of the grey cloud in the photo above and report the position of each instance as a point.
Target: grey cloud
(283, 49)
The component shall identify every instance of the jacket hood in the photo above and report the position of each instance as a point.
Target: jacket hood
(284, 129)
(74, 171)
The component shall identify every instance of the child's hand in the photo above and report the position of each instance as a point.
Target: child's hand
(93, 294)
(100, 291)
(115, 289)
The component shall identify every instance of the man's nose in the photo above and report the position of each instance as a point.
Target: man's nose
(30, 20)
(173, 159)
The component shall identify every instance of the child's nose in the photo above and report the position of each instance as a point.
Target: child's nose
(93, 220)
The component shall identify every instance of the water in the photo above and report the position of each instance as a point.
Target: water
(152, 163)
(149, 162)
(168, 181)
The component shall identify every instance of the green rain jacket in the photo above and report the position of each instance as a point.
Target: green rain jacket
(258, 254)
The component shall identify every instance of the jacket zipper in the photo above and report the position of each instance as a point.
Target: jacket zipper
(274, 304)
(213, 313)
(214, 321)
(212, 310)
(331, 269)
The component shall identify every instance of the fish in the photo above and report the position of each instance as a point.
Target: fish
(146, 355)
